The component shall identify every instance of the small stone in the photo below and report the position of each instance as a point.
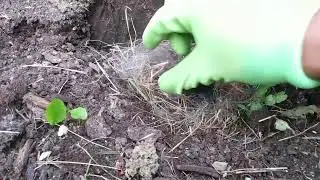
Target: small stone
(52, 57)
(29, 57)
(96, 127)
(70, 47)
(44, 155)
(143, 162)
(63, 130)
(192, 152)
(220, 166)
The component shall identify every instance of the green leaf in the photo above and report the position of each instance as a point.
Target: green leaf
(255, 106)
(270, 100)
(79, 113)
(56, 112)
(300, 112)
(262, 91)
(280, 97)
(276, 98)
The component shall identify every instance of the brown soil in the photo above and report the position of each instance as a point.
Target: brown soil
(57, 33)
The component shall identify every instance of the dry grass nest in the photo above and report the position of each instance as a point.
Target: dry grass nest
(136, 72)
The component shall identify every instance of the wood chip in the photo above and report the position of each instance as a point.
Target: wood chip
(35, 100)
(199, 169)
(23, 155)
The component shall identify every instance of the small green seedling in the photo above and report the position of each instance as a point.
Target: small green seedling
(79, 113)
(261, 100)
(56, 112)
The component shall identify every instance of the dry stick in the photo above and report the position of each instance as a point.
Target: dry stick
(255, 170)
(91, 158)
(63, 86)
(311, 138)
(127, 22)
(20, 114)
(75, 163)
(9, 132)
(290, 137)
(54, 67)
(251, 129)
(88, 168)
(115, 89)
(267, 118)
(99, 145)
(189, 135)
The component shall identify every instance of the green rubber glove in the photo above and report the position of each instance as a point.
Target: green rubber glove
(249, 41)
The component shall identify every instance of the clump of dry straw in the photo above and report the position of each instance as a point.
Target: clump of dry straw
(141, 67)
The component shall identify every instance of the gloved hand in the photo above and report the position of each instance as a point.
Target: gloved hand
(249, 41)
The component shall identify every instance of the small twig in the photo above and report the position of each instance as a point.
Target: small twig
(127, 22)
(290, 137)
(20, 114)
(99, 145)
(146, 137)
(63, 86)
(92, 159)
(88, 168)
(255, 170)
(267, 118)
(199, 169)
(183, 140)
(251, 129)
(191, 132)
(9, 132)
(115, 89)
(54, 67)
(311, 138)
(75, 163)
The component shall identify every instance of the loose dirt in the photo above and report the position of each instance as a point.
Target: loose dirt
(67, 49)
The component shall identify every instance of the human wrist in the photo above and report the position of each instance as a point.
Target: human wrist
(311, 48)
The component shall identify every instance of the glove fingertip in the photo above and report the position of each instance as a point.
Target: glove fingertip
(166, 84)
(150, 41)
(181, 43)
